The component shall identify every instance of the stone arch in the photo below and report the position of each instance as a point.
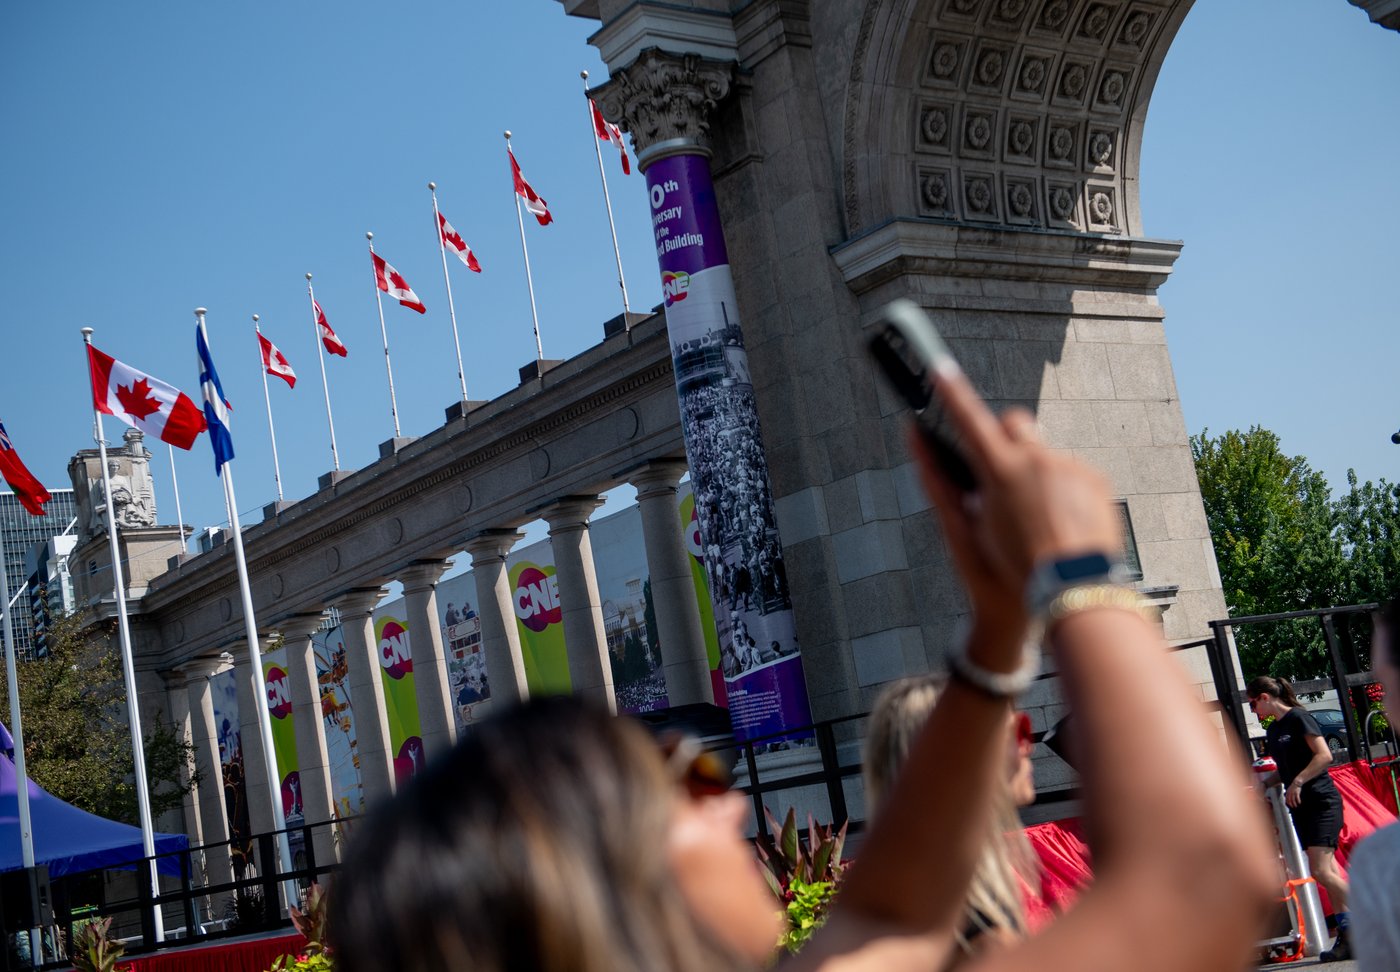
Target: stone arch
(1026, 114)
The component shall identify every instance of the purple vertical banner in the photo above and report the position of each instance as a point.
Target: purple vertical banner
(743, 556)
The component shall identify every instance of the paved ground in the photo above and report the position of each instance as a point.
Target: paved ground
(1313, 964)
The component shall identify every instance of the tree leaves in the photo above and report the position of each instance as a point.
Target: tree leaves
(1283, 544)
(77, 741)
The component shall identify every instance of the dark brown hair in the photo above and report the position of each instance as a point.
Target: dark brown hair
(536, 843)
(1279, 688)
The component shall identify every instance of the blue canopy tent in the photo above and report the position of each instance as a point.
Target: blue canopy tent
(69, 840)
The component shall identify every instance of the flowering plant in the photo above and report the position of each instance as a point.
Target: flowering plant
(94, 950)
(804, 878)
(316, 956)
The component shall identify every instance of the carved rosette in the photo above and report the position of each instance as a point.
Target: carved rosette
(663, 98)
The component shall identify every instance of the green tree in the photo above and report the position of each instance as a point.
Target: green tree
(77, 742)
(1368, 524)
(1278, 545)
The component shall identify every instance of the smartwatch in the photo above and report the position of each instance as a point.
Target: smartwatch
(1052, 578)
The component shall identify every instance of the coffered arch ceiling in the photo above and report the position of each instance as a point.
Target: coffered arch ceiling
(1014, 113)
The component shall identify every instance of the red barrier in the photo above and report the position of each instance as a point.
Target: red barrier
(1368, 802)
(254, 955)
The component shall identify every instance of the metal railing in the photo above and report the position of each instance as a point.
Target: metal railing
(252, 898)
(259, 880)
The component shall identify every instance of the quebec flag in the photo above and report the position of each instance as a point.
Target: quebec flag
(215, 405)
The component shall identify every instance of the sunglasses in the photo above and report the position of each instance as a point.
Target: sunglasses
(1024, 734)
(701, 771)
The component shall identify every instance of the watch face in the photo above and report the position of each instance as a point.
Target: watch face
(1081, 568)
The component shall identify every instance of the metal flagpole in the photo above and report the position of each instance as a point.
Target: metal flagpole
(321, 356)
(267, 397)
(529, 280)
(607, 201)
(26, 827)
(250, 630)
(179, 514)
(133, 710)
(451, 311)
(384, 333)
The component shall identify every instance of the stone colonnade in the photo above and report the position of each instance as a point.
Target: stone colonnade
(683, 653)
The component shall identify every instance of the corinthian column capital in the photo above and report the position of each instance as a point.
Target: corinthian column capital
(664, 101)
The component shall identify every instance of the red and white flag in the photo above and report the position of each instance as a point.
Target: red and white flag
(454, 242)
(333, 344)
(533, 202)
(276, 362)
(157, 409)
(28, 490)
(608, 132)
(392, 283)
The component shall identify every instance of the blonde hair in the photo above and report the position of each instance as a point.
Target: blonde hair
(994, 900)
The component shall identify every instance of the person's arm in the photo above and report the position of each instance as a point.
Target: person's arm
(1182, 860)
(1321, 759)
(903, 897)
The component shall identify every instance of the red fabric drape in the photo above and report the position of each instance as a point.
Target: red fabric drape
(1368, 802)
(246, 956)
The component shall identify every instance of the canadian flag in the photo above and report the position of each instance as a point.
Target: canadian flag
(276, 362)
(533, 202)
(333, 344)
(392, 283)
(608, 132)
(143, 402)
(454, 242)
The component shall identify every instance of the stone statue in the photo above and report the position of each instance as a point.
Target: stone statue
(133, 495)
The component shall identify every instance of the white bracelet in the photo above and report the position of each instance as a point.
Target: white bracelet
(1002, 685)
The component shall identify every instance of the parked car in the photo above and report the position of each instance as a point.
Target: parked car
(1334, 730)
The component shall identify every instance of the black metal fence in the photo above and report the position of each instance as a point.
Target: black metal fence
(252, 901)
(192, 908)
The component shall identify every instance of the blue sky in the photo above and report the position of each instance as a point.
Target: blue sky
(161, 156)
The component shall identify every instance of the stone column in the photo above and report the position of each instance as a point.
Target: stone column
(260, 814)
(213, 812)
(589, 668)
(500, 638)
(436, 721)
(367, 692)
(666, 100)
(684, 660)
(178, 703)
(313, 765)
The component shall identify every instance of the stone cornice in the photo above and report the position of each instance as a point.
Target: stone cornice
(665, 100)
(611, 407)
(668, 28)
(924, 247)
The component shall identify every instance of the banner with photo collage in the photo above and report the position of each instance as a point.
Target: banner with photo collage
(736, 524)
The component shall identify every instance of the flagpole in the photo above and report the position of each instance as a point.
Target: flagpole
(250, 630)
(133, 709)
(267, 397)
(384, 333)
(321, 356)
(26, 826)
(607, 201)
(179, 514)
(529, 280)
(451, 311)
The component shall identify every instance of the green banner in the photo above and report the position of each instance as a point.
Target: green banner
(400, 698)
(540, 622)
(690, 530)
(284, 735)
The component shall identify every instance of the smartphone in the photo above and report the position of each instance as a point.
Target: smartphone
(906, 345)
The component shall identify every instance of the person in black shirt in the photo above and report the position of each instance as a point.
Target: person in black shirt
(1295, 742)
